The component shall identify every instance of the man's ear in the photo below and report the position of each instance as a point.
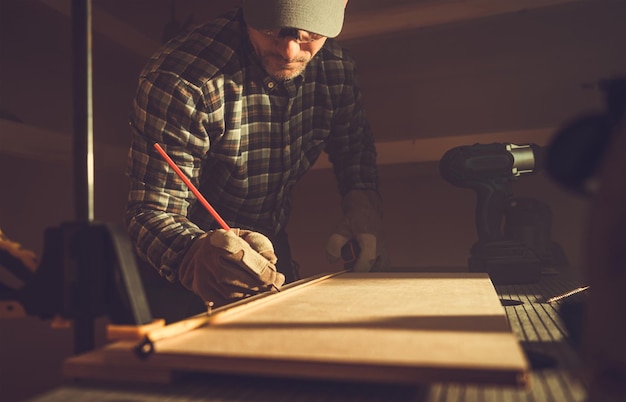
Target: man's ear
(345, 3)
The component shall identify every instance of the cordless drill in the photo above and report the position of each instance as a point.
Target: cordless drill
(510, 253)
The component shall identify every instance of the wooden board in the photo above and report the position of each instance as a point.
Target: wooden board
(383, 327)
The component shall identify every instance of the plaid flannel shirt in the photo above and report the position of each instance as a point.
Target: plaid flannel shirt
(243, 138)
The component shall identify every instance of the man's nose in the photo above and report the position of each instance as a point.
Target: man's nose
(288, 48)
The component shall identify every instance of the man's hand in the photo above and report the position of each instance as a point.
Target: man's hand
(223, 266)
(362, 221)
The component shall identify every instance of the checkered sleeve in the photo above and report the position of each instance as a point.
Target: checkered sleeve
(169, 112)
(351, 148)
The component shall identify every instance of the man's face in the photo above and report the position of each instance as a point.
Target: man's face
(284, 57)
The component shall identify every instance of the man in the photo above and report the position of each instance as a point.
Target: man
(244, 105)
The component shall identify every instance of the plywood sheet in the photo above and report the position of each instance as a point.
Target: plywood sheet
(387, 327)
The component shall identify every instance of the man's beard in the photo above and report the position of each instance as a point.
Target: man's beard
(276, 66)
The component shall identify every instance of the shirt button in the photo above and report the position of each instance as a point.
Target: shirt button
(270, 84)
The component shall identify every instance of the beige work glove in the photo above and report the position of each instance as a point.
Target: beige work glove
(362, 221)
(223, 266)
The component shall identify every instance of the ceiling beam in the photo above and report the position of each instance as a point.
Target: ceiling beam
(432, 149)
(385, 20)
(424, 14)
(36, 143)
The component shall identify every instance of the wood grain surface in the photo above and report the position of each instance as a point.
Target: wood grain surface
(382, 327)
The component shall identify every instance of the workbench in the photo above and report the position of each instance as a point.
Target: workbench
(554, 370)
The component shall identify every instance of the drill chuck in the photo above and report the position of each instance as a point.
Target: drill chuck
(482, 162)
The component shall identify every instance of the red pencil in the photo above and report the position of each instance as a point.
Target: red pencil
(193, 188)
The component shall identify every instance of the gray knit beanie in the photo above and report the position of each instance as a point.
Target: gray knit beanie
(324, 17)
